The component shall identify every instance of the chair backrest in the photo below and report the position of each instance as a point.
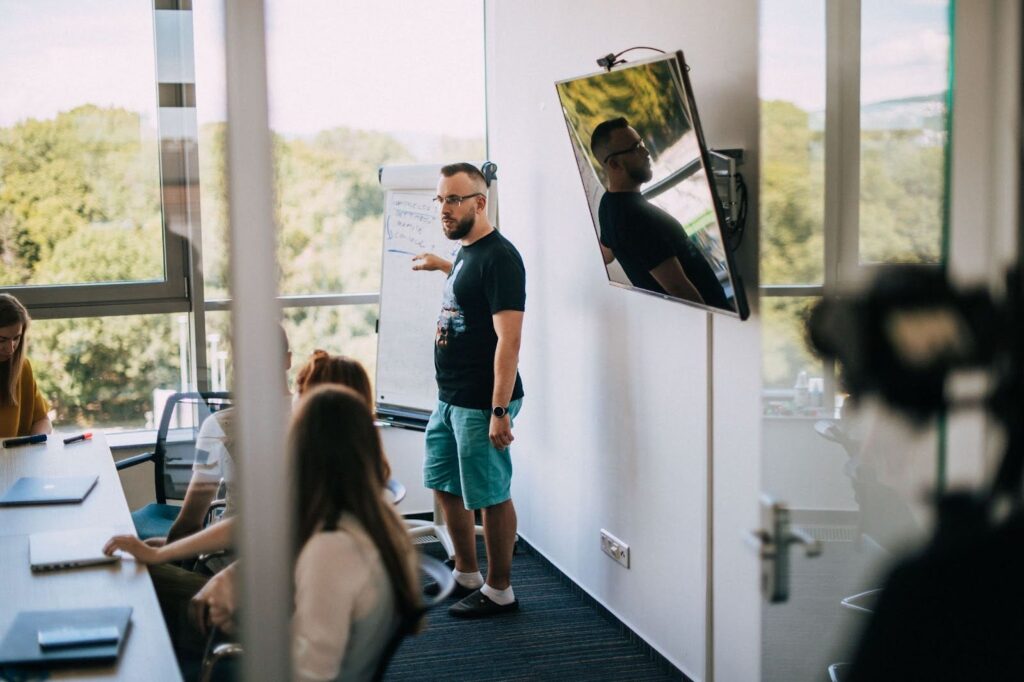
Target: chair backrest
(175, 450)
(433, 570)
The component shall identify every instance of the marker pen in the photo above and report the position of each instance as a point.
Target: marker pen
(74, 439)
(25, 440)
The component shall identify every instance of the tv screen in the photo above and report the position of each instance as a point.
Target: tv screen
(646, 173)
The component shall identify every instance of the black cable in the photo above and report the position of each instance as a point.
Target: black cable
(610, 59)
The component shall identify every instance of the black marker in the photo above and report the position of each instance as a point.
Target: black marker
(74, 439)
(25, 440)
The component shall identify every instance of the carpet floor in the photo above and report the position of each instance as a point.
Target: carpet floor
(555, 635)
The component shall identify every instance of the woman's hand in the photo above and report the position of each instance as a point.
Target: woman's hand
(215, 603)
(143, 553)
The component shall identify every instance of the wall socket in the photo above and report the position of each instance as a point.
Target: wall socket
(615, 548)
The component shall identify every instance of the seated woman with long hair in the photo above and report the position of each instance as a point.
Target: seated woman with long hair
(22, 407)
(355, 573)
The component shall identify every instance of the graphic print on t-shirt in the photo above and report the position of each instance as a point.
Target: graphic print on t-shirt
(451, 322)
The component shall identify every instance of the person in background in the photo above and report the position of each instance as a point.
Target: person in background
(22, 407)
(324, 368)
(355, 567)
(175, 585)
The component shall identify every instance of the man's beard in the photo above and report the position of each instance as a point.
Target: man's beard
(640, 175)
(461, 228)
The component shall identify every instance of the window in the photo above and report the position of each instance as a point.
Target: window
(841, 192)
(113, 209)
(333, 128)
(81, 211)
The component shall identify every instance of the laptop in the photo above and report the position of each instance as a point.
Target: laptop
(65, 636)
(69, 548)
(48, 490)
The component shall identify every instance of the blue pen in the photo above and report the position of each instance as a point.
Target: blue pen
(25, 440)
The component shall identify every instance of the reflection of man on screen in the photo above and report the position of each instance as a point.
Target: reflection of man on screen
(652, 247)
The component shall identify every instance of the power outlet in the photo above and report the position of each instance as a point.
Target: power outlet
(615, 548)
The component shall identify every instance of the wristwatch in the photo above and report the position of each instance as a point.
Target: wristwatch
(499, 412)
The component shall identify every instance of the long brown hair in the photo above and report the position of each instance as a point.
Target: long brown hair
(337, 460)
(12, 312)
(324, 368)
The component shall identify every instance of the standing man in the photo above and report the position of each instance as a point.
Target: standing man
(652, 246)
(476, 355)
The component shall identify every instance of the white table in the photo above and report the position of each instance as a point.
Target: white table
(147, 653)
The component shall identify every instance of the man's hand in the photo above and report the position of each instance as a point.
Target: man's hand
(143, 553)
(430, 262)
(500, 432)
(215, 603)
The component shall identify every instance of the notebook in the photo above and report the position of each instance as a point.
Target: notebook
(21, 645)
(48, 490)
(69, 548)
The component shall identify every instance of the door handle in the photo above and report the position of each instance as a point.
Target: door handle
(772, 542)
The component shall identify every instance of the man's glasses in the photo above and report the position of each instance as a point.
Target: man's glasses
(455, 199)
(633, 148)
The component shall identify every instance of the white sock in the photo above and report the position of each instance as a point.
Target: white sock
(502, 597)
(471, 580)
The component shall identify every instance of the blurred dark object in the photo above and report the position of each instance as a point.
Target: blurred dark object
(904, 335)
(955, 611)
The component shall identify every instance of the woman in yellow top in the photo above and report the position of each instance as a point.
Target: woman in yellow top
(22, 407)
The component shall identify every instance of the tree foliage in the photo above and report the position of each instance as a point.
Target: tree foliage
(902, 190)
(80, 203)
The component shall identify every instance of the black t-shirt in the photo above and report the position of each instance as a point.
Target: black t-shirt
(642, 236)
(487, 277)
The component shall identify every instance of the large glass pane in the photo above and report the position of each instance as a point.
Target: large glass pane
(335, 123)
(792, 93)
(109, 372)
(79, 158)
(903, 120)
(339, 330)
(785, 354)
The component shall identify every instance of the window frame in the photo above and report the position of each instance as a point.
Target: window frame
(841, 228)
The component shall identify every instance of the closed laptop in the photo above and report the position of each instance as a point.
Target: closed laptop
(69, 548)
(48, 490)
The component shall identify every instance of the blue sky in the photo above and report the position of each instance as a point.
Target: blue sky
(385, 65)
(904, 46)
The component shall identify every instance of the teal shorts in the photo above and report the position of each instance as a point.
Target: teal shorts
(460, 459)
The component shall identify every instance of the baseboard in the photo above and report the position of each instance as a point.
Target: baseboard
(652, 654)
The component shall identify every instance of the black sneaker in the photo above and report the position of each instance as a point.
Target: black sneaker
(477, 605)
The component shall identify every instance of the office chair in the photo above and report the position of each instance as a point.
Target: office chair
(431, 571)
(395, 491)
(173, 458)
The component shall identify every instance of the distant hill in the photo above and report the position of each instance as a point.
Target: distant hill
(924, 112)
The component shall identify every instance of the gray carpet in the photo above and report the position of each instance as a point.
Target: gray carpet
(555, 635)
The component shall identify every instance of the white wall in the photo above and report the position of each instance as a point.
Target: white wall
(614, 431)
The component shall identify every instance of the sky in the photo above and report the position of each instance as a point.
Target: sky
(398, 65)
(904, 50)
(391, 65)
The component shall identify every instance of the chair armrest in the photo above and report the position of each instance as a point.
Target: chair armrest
(211, 511)
(135, 459)
(221, 651)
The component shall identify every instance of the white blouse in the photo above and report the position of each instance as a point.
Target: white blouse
(344, 606)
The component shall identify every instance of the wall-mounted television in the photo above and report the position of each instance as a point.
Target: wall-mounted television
(646, 172)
